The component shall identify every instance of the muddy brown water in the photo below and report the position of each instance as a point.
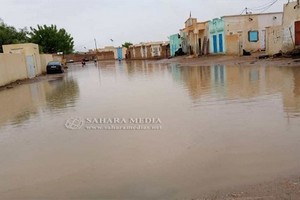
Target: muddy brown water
(211, 128)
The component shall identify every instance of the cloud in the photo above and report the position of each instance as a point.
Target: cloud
(130, 20)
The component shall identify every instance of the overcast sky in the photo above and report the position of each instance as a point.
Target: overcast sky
(121, 20)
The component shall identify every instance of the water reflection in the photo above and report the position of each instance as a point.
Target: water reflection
(225, 83)
(61, 93)
(223, 126)
(27, 101)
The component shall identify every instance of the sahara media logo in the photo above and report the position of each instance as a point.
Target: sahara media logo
(74, 123)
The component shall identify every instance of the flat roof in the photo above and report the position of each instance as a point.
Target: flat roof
(271, 13)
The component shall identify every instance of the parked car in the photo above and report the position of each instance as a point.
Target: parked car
(55, 67)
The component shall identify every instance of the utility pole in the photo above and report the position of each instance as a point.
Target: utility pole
(96, 45)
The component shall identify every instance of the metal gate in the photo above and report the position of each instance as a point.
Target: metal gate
(297, 33)
(221, 49)
(120, 55)
(30, 66)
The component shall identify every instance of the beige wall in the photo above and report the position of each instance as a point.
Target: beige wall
(192, 32)
(291, 14)
(274, 39)
(58, 58)
(12, 68)
(45, 58)
(242, 24)
(28, 49)
(232, 44)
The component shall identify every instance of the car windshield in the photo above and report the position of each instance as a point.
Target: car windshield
(54, 63)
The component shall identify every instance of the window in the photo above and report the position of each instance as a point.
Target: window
(253, 36)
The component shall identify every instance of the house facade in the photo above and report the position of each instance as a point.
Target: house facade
(175, 44)
(150, 50)
(248, 32)
(285, 37)
(195, 37)
(32, 55)
(217, 36)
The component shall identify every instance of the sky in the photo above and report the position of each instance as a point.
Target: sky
(133, 21)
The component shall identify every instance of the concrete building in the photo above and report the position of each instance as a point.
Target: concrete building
(32, 54)
(195, 37)
(217, 36)
(285, 37)
(175, 44)
(21, 61)
(248, 31)
(119, 52)
(150, 50)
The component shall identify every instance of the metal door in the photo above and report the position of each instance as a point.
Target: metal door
(120, 56)
(297, 33)
(215, 43)
(221, 49)
(30, 66)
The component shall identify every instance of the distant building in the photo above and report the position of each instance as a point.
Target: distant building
(195, 37)
(150, 50)
(119, 52)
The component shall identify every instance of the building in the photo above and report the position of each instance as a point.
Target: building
(32, 55)
(119, 52)
(175, 44)
(217, 36)
(195, 37)
(285, 37)
(248, 32)
(150, 50)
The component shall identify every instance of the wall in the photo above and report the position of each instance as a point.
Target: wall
(12, 68)
(216, 28)
(291, 14)
(191, 34)
(274, 39)
(242, 24)
(175, 43)
(232, 44)
(45, 58)
(28, 49)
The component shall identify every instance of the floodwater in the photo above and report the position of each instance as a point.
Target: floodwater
(208, 128)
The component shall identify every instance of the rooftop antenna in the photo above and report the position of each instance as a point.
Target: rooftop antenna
(190, 14)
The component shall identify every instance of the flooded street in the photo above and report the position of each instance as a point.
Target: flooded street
(213, 128)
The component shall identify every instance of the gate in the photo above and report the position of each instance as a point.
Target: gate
(215, 44)
(30, 66)
(297, 33)
(221, 49)
(120, 55)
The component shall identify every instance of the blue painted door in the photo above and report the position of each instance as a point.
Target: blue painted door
(215, 43)
(120, 55)
(221, 49)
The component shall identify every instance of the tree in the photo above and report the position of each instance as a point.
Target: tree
(126, 44)
(51, 40)
(10, 35)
